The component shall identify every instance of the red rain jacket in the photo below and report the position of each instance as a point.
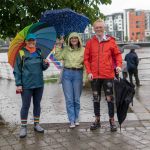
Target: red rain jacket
(99, 57)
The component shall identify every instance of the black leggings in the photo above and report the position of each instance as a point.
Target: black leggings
(107, 85)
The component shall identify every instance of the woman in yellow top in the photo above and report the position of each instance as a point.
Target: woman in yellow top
(72, 76)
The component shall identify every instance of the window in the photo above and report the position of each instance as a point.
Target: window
(116, 17)
(132, 33)
(138, 35)
(138, 13)
(138, 24)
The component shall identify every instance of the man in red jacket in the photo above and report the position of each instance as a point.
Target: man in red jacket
(101, 52)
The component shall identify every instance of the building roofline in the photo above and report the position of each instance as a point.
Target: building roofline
(113, 14)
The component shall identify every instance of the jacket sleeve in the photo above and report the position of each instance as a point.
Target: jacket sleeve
(117, 55)
(59, 53)
(18, 71)
(87, 57)
(136, 60)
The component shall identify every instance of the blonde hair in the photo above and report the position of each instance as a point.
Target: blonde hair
(99, 21)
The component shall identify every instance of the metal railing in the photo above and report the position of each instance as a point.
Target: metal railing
(6, 71)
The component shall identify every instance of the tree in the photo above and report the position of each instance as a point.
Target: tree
(126, 38)
(148, 38)
(16, 14)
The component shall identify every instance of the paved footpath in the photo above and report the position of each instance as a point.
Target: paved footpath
(133, 136)
(135, 133)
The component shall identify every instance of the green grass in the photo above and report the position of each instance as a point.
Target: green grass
(51, 79)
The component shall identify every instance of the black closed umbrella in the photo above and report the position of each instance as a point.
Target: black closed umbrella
(124, 93)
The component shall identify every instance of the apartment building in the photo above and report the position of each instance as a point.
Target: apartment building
(114, 25)
(135, 25)
(131, 25)
(147, 24)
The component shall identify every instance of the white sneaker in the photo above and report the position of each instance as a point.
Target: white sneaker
(77, 123)
(23, 132)
(72, 125)
(38, 128)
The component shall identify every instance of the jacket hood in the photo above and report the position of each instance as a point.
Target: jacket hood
(74, 34)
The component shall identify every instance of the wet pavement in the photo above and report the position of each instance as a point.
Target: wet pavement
(53, 105)
(133, 136)
(135, 133)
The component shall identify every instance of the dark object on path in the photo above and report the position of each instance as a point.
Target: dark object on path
(65, 21)
(124, 93)
(2, 122)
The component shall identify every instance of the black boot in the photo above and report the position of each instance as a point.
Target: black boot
(113, 127)
(95, 125)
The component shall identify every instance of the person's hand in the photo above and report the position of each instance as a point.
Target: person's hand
(59, 43)
(18, 89)
(46, 61)
(118, 70)
(62, 40)
(90, 76)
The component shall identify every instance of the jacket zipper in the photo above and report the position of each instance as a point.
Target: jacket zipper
(102, 51)
(98, 57)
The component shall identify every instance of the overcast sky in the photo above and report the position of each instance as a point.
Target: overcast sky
(120, 5)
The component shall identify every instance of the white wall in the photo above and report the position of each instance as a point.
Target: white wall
(6, 70)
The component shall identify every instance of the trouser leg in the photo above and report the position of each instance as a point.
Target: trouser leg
(37, 96)
(130, 77)
(96, 87)
(26, 100)
(68, 92)
(111, 107)
(136, 77)
(77, 89)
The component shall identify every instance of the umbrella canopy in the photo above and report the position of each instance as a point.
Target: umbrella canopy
(131, 46)
(124, 93)
(45, 37)
(65, 21)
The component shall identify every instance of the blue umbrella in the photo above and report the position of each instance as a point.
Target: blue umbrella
(65, 21)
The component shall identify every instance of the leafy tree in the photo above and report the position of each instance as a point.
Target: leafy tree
(16, 14)
(148, 38)
(126, 38)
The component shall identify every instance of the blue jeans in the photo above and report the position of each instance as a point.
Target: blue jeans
(26, 95)
(72, 88)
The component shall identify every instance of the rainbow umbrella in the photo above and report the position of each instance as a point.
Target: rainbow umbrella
(45, 37)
